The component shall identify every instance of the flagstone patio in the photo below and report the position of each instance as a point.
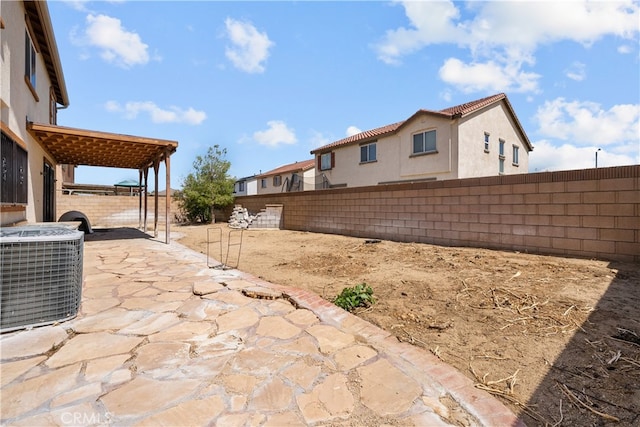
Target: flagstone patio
(162, 339)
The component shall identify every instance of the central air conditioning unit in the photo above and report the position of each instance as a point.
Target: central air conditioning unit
(41, 275)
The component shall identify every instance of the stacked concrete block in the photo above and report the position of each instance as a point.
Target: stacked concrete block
(240, 218)
(269, 217)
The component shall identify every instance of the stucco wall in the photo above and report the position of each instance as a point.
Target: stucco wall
(473, 160)
(269, 188)
(585, 213)
(309, 177)
(17, 103)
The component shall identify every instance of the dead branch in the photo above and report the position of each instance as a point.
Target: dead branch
(486, 356)
(624, 341)
(614, 358)
(575, 399)
(561, 416)
(527, 409)
(633, 362)
(510, 381)
(436, 352)
(414, 339)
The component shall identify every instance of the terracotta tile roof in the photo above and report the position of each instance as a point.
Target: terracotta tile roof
(450, 113)
(472, 106)
(292, 167)
(368, 134)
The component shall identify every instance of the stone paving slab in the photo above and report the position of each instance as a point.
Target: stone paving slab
(163, 340)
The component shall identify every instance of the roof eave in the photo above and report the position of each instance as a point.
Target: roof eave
(329, 147)
(519, 125)
(55, 72)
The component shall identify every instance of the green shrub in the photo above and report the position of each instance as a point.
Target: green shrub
(358, 296)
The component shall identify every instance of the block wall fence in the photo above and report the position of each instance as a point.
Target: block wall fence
(593, 213)
(113, 211)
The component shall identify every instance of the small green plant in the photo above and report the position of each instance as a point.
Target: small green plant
(358, 296)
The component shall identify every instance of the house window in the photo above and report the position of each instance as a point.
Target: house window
(368, 153)
(515, 155)
(13, 182)
(486, 142)
(501, 156)
(424, 142)
(53, 110)
(263, 183)
(30, 61)
(241, 186)
(327, 161)
(277, 180)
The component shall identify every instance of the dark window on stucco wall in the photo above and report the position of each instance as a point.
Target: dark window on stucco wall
(13, 181)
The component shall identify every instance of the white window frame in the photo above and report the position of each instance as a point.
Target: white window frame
(277, 180)
(325, 161)
(263, 183)
(424, 148)
(486, 142)
(365, 152)
(516, 155)
(30, 59)
(501, 156)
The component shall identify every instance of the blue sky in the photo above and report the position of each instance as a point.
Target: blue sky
(270, 81)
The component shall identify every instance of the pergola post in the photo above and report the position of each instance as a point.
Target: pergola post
(156, 166)
(139, 198)
(167, 163)
(146, 188)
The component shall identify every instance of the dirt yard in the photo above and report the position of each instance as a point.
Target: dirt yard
(556, 339)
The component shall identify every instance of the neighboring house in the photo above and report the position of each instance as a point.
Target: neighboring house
(298, 176)
(247, 186)
(34, 147)
(479, 138)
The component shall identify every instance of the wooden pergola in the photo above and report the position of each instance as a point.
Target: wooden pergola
(92, 148)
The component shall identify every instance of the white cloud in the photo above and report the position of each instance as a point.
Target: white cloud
(530, 24)
(352, 130)
(117, 45)
(277, 134)
(317, 139)
(250, 48)
(431, 22)
(490, 75)
(624, 49)
(502, 36)
(80, 5)
(587, 123)
(131, 110)
(548, 157)
(577, 72)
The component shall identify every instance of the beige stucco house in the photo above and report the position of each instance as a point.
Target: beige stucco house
(246, 186)
(34, 147)
(298, 176)
(478, 138)
(32, 87)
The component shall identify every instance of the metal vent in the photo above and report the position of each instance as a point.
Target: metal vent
(41, 280)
